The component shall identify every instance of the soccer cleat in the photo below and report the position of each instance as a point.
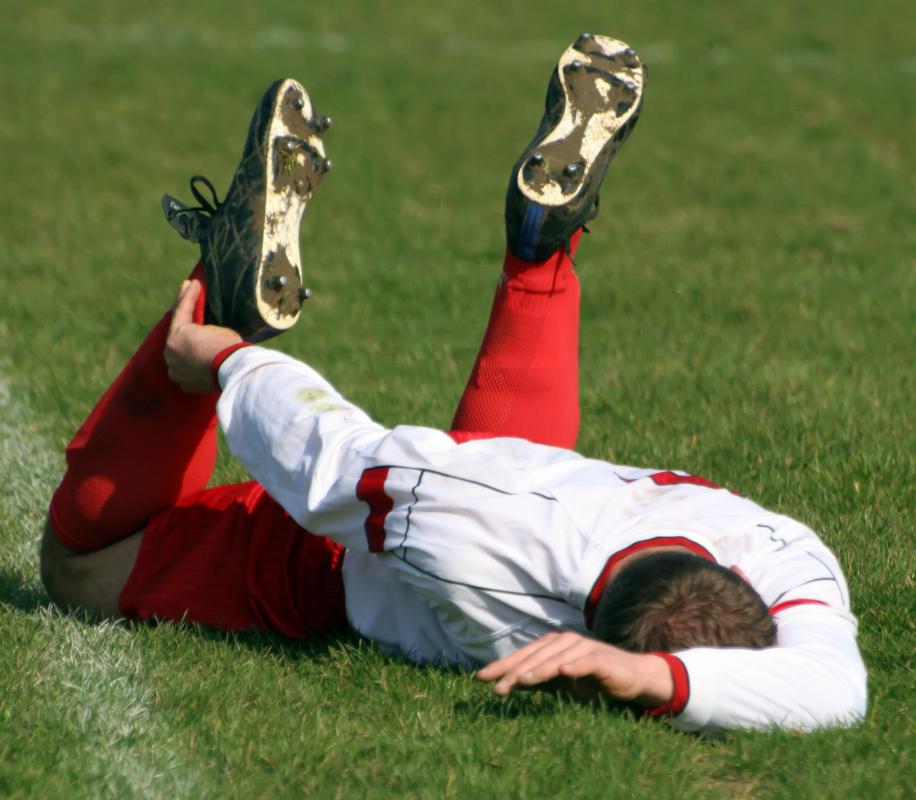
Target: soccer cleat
(593, 102)
(249, 243)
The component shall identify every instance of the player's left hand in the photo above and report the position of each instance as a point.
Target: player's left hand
(190, 348)
(640, 678)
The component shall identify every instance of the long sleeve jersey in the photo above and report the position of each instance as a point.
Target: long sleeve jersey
(464, 552)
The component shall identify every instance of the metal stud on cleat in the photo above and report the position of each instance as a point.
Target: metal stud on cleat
(304, 294)
(249, 240)
(323, 123)
(554, 186)
(327, 165)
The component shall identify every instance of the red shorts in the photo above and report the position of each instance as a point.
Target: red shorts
(231, 558)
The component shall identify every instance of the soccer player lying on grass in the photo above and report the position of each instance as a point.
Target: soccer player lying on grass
(492, 544)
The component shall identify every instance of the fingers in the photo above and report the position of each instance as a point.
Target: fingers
(190, 348)
(643, 678)
(183, 311)
(589, 663)
(546, 664)
(496, 669)
(551, 656)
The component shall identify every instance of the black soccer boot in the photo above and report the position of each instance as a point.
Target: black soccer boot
(249, 243)
(593, 102)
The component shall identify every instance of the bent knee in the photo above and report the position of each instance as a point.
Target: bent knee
(90, 582)
(56, 568)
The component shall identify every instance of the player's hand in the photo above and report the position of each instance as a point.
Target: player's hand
(190, 348)
(632, 677)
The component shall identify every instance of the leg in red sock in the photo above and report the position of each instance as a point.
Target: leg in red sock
(525, 381)
(132, 531)
(144, 446)
(143, 457)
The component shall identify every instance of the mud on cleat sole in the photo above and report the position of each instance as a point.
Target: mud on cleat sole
(600, 83)
(249, 242)
(295, 163)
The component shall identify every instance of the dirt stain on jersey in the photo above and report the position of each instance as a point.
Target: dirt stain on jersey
(319, 401)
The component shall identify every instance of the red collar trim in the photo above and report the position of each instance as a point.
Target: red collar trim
(802, 601)
(659, 541)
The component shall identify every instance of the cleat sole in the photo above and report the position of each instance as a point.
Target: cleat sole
(600, 82)
(294, 165)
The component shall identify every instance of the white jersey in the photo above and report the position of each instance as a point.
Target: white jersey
(463, 553)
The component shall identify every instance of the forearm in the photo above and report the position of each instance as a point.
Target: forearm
(298, 437)
(814, 678)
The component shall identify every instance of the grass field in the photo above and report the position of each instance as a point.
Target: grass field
(749, 310)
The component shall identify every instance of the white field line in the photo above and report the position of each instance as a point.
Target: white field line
(123, 747)
(274, 38)
(29, 472)
(93, 670)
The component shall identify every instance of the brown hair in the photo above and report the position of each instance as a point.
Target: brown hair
(674, 600)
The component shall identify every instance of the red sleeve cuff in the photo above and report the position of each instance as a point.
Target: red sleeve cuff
(681, 688)
(221, 356)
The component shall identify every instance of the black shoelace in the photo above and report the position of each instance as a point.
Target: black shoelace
(192, 221)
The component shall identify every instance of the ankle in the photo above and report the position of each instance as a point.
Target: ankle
(560, 259)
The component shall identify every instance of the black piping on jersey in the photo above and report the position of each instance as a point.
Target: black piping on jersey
(410, 508)
(813, 580)
(402, 556)
(827, 567)
(773, 537)
(542, 495)
(783, 543)
(832, 577)
(488, 589)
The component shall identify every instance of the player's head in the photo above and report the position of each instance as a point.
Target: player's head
(675, 600)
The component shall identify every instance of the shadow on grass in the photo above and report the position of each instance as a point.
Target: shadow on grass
(19, 592)
(312, 648)
(16, 591)
(25, 594)
(537, 703)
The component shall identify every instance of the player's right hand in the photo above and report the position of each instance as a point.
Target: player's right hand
(189, 347)
(640, 678)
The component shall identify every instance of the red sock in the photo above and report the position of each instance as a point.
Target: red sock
(144, 446)
(526, 379)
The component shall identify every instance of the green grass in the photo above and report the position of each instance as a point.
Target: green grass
(748, 314)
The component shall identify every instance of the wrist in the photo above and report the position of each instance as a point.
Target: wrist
(217, 360)
(657, 684)
(680, 686)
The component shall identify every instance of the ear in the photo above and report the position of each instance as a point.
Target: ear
(740, 573)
